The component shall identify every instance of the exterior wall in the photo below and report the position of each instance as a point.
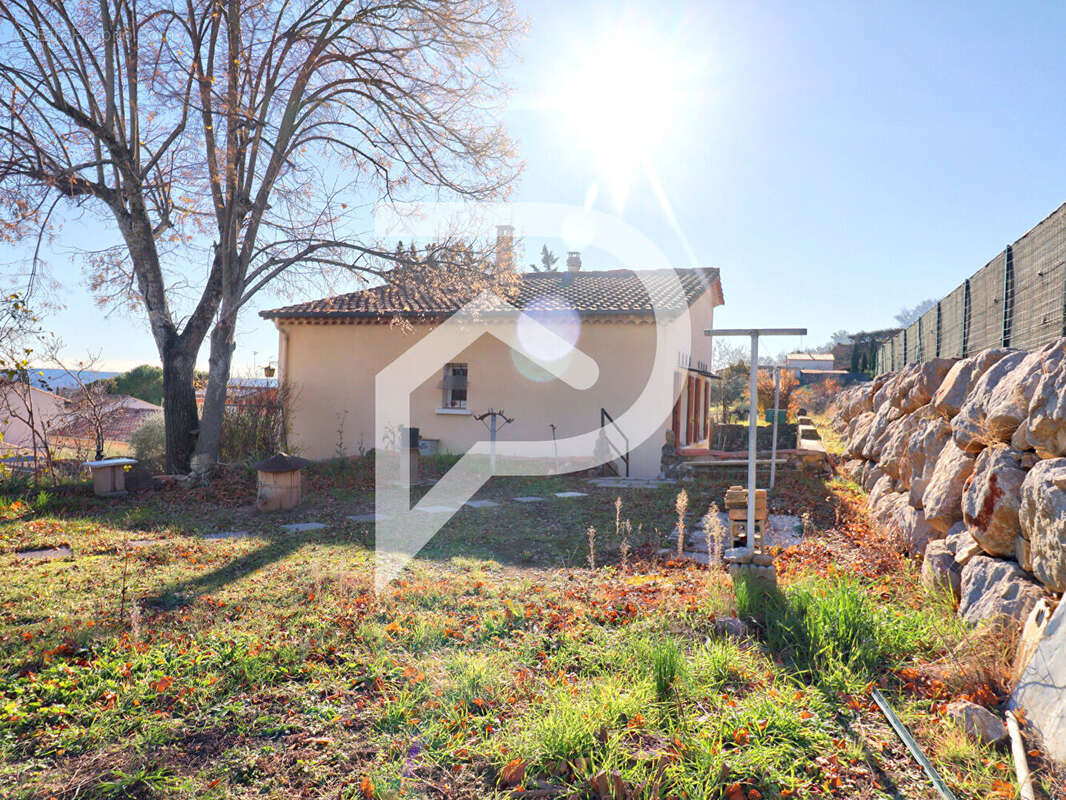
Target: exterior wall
(330, 370)
(16, 434)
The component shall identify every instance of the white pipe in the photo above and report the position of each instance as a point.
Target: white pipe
(773, 449)
(753, 424)
(1021, 763)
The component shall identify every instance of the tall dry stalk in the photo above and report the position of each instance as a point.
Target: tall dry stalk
(715, 534)
(617, 517)
(681, 506)
(592, 547)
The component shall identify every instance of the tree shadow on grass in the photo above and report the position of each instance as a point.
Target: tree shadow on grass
(279, 547)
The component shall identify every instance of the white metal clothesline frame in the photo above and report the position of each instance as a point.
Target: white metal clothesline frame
(753, 410)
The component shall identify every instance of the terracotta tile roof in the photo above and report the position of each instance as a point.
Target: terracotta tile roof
(618, 291)
(120, 417)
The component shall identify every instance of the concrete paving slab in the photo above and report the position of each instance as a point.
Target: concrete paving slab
(226, 535)
(300, 527)
(571, 494)
(47, 554)
(436, 509)
(482, 503)
(528, 499)
(146, 542)
(631, 483)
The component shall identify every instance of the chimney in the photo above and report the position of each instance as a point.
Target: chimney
(504, 248)
(573, 261)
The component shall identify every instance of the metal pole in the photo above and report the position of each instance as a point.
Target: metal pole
(753, 424)
(491, 442)
(773, 449)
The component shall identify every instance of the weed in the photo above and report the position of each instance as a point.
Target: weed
(667, 667)
(591, 533)
(681, 506)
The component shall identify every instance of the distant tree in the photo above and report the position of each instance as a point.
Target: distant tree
(908, 316)
(144, 382)
(233, 144)
(547, 260)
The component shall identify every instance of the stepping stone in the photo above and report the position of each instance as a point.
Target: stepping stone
(47, 554)
(527, 499)
(299, 527)
(226, 535)
(367, 517)
(571, 494)
(482, 503)
(436, 509)
(146, 542)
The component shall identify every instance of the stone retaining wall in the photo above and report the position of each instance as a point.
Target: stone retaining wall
(964, 461)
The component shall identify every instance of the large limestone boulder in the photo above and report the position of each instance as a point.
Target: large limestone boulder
(953, 390)
(852, 470)
(922, 385)
(992, 497)
(969, 426)
(926, 443)
(1008, 405)
(942, 499)
(1041, 692)
(879, 429)
(1042, 519)
(1032, 632)
(996, 590)
(885, 486)
(858, 431)
(871, 474)
(1044, 429)
(914, 532)
(940, 570)
(897, 445)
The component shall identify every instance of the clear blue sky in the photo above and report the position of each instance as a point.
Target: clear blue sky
(836, 161)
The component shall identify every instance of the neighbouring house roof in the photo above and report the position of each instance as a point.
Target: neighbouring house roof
(120, 417)
(809, 357)
(596, 292)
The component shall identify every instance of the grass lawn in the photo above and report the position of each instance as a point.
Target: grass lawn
(500, 665)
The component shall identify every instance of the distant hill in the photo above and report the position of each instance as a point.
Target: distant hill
(56, 379)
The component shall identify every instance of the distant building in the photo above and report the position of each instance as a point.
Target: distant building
(813, 367)
(24, 411)
(119, 415)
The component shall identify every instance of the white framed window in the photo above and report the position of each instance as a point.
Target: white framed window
(454, 386)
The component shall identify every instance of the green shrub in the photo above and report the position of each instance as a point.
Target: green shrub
(149, 441)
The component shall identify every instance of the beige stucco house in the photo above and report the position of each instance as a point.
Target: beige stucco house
(331, 349)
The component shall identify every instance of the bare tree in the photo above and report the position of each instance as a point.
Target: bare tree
(245, 136)
(908, 316)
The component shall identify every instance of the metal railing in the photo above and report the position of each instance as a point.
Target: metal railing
(622, 455)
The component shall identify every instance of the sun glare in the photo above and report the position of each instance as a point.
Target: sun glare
(618, 101)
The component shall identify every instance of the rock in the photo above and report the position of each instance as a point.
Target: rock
(895, 451)
(762, 559)
(926, 443)
(1042, 518)
(871, 474)
(731, 627)
(884, 486)
(940, 570)
(1042, 688)
(1023, 554)
(858, 431)
(992, 497)
(852, 470)
(925, 382)
(969, 427)
(953, 390)
(914, 531)
(875, 439)
(956, 535)
(738, 555)
(942, 498)
(1032, 632)
(1044, 428)
(966, 548)
(978, 722)
(1009, 403)
(996, 590)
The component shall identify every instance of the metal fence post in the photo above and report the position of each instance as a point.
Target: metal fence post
(1008, 296)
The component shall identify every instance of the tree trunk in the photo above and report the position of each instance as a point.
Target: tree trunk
(210, 441)
(179, 400)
